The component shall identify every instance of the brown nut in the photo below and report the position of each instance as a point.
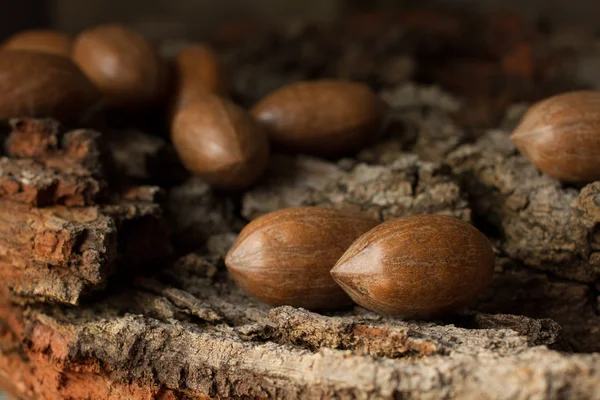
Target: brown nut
(561, 136)
(124, 66)
(326, 117)
(416, 267)
(42, 41)
(197, 72)
(284, 257)
(220, 142)
(44, 85)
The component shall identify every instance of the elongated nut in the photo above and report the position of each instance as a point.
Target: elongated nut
(44, 85)
(197, 72)
(284, 257)
(326, 117)
(220, 142)
(416, 267)
(561, 136)
(124, 66)
(42, 41)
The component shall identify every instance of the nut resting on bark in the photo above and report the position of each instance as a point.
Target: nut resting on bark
(284, 257)
(561, 136)
(125, 276)
(219, 141)
(326, 117)
(417, 267)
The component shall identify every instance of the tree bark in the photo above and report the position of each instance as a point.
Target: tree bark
(94, 305)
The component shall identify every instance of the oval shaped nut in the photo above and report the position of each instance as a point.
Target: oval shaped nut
(220, 142)
(44, 85)
(284, 257)
(42, 41)
(325, 117)
(125, 67)
(561, 136)
(416, 267)
(197, 72)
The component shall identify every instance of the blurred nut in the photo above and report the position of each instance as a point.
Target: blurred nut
(220, 142)
(124, 66)
(197, 72)
(42, 41)
(326, 117)
(44, 85)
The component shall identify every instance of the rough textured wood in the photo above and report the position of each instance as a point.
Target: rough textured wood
(70, 245)
(185, 331)
(60, 254)
(543, 224)
(191, 333)
(46, 141)
(408, 186)
(29, 182)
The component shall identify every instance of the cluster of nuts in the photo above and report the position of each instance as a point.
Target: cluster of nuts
(216, 139)
(230, 147)
(320, 258)
(309, 257)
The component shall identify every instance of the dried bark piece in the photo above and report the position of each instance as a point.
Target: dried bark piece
(406, 187)
(55, 253)
(521, 291)
(535, 215)
(77, 152)
(178, 347)
(50, 166)
(59, 254)
(420, 119)
(29, 182)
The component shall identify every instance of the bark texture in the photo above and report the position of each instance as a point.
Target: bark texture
(405, 187)
(189, 333)
(542, 223)
(92, 307)
(61, 232)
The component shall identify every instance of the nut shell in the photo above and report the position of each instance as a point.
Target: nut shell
(326, 117)
(561, 136)
(220, 142)
(416, 267)
(44, 85)
(284, 257)
(125, 67)
(197, 72)
(42, 41)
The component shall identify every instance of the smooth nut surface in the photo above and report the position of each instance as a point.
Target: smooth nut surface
(416, 267)
(197, 72)
(44, 85)
(284, 257)
(325, 117)
(42, 41)
(124, 66)
(561, 136)
(220, 142)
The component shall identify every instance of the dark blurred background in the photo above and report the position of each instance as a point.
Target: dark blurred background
(193, 18)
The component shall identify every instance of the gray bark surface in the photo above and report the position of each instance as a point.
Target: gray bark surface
(94, 304)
